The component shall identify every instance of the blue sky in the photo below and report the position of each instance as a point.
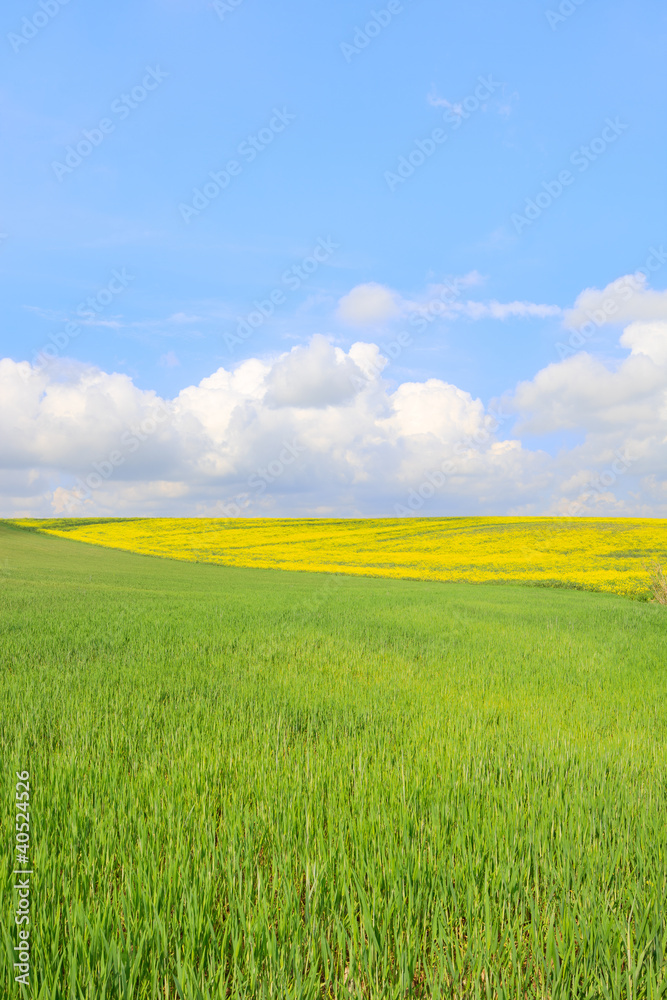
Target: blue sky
(346, 117)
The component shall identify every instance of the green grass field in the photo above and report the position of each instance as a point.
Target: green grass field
(256, 783)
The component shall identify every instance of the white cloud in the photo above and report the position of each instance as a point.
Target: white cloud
(504, 310)
(626, 299)
(649, 339)
(503, 104)
(169, 360)
(618, 410)
(441, 102)
(372, 304)
(582, 392)
(318, 429)
(436, 409)
(354, 446)
(369, 304)
(315, 376)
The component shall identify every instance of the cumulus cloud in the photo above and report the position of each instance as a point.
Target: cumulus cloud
(626, 299)
(618, 410)
(317, 427)
(582, 392)
(315, 376)
(319, 430)
(649, 339)
(590, 394)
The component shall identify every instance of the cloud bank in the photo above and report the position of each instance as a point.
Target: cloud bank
(318, 431)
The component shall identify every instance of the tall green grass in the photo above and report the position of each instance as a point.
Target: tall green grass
(250, 783)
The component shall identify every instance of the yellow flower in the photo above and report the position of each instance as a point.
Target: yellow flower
(603, 554)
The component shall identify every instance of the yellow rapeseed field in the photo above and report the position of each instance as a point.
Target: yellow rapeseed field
(603, 554)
